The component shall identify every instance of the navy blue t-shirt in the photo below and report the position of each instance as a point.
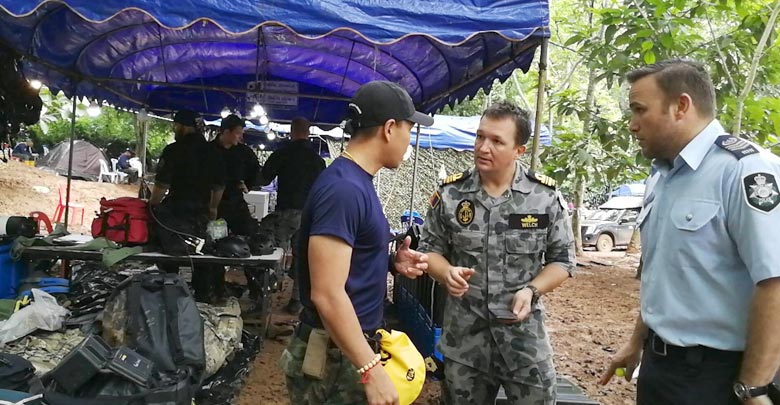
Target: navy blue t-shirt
(343, 203)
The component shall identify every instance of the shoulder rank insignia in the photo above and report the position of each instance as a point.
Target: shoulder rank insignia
(541, 178)
(435, 199)
(761, 192)
(736, 146)
(453, 178)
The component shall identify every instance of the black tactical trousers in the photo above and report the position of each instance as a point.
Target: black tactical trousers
(686, 376)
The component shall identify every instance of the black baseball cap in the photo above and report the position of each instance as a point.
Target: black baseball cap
(232, 121)
(378, 101)
(187, 118)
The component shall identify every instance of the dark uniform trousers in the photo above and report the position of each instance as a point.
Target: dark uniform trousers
(206, 282)
(686, 375)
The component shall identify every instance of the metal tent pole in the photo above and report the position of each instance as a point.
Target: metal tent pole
(539, 104)
(70, 160)
(414, 175)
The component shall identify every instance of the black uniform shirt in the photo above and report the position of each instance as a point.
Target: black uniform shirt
(297, 165)
(191, 169)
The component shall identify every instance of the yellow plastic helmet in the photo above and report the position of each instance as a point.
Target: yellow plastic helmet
(403, 363)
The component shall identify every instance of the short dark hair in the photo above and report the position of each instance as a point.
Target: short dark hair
(678, 76)
(505, 109)
(369, 131)
(231, 122)
(299, 125)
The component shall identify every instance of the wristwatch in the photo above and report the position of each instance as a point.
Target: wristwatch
(535, 292)
(745, 392)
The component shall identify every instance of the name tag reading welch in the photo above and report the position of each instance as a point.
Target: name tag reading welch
(529, 221)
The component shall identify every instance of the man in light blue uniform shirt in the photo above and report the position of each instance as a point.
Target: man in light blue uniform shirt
(709, 327)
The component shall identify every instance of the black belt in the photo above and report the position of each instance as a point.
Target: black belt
(660, 348)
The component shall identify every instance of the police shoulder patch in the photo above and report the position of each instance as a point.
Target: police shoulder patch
(454, 178)
(761, 191)
(736, 146)
(541, 178)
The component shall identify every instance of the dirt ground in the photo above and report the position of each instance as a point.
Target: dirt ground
(589, 318)
(24, 189)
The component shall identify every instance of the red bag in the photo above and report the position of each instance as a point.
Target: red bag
(122, 220)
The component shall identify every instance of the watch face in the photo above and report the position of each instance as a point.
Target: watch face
(740, 390)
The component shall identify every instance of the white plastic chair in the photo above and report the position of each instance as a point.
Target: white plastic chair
(122, 175)
(135, 163)
(105, 172)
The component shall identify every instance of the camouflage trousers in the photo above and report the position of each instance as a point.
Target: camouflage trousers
(339, 385)
(281, 225)
(531, 385)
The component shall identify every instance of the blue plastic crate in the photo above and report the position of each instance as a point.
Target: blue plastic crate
(11, 272)
(416, 322)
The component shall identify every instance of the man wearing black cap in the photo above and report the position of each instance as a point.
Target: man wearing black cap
(343, 253)
(297, 165)
(193, 177)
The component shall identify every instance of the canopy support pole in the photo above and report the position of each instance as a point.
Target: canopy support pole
(70, 160)
(414, 175)
(539, 103)
(143, 125)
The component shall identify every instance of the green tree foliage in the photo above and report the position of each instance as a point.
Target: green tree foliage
(111, 127)
(612, 37)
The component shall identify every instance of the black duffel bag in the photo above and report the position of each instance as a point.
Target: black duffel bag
(16, 373)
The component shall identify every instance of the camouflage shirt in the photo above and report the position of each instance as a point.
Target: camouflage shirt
(506, 240)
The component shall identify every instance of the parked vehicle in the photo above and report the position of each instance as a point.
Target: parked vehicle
(612, 224)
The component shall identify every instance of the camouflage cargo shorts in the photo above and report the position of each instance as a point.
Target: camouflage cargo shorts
(340, 385)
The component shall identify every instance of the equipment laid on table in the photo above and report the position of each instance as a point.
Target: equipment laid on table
(18, 226)
(123, 220)
(232, 246)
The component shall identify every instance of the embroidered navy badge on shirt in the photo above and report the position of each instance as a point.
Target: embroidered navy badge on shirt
(761, 191)
(529, 221)
(465, 212)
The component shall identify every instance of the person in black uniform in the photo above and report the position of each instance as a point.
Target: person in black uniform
(297, 165)
(192, 175)
(238, 168)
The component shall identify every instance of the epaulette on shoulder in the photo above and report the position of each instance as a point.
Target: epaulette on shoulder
(454, 178)
(541, 178)
(736, 146)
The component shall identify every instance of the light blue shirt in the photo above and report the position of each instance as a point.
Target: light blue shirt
(710, 231)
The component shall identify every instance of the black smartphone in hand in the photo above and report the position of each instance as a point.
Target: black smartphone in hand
(503, 314)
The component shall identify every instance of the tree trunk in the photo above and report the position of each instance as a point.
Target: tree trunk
(579, 197)
(581, 179)
(751, 76)
(639, 269)
(635, 244)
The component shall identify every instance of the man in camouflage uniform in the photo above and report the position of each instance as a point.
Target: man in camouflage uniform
(498, 237)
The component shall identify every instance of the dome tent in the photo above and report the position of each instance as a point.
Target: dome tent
(86, 159)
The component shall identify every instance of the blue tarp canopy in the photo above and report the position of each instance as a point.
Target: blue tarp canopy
(635, 189)
(447, 132)
(295, 57)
